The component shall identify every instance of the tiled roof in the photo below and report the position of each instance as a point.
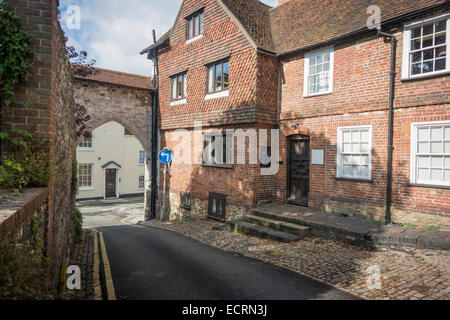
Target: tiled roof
(120, 78)
(254, 17)
(302, 23)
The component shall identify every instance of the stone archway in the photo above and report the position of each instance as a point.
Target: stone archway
(123, 98)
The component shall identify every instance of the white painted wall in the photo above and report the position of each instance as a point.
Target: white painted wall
(111, 144)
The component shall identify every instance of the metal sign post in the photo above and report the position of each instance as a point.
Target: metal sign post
(165, 156)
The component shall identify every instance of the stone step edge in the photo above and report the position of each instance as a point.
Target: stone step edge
(372, 238)
(241, 226)
(280, 225)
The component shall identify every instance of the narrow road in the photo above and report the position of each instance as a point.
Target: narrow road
(150, 263)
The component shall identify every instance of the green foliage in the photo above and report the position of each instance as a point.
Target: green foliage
(15, 50)
(74, 187)
(76, 228)
(430, 228)
(22, 274)
(26, 165)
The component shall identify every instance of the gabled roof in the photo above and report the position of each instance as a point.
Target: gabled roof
(298, 24)
(254, 17)
(106, 165)
(303, 23)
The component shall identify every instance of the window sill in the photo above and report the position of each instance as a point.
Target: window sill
(178, 102)
(427, 76)
(86, 149)
(354, 179)
(215, 95)
(220, 166)
(317, 94)
(431, 186)
(194, 39)
(86, 189)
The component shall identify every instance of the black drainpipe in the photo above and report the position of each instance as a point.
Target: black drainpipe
(154, 181)
(390, 125)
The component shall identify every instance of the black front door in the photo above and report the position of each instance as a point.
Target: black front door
(298, 170)
(110, 181)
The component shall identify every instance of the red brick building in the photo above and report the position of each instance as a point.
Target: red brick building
(316, 71)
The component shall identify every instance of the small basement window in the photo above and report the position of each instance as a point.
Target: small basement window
(186, 200)
(217, 206)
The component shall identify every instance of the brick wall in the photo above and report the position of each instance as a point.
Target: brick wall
(49, 112)
(252, 103)
(360, 97)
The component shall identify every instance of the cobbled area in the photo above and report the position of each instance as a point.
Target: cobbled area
(381, 274)
(83, 256)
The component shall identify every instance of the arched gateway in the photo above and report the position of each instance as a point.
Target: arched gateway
(121, 97)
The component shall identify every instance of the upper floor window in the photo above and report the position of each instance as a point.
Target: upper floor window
(195, 25)
(178, 87)
(318, 72)
(354, 152)
(425, 48)
(430, 153)
(86, 143)
(218, 76)
(141, 157)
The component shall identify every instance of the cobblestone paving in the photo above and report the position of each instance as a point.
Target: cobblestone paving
(401, 274)
(83, 256)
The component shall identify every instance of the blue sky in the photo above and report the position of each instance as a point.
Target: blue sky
(113, 32)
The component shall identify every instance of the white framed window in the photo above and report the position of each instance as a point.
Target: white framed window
(318, 75)
(425, 47)
(141, 182)
(430, 153)
(354, 157)
(85, 176)
(86, 143)
(141, 157)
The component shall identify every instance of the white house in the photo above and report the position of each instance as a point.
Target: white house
(111, 164)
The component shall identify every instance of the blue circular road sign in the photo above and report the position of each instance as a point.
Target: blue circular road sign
(165, 156)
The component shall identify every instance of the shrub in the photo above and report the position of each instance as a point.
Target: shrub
(76, 228)
(26, 164)
(22, 274)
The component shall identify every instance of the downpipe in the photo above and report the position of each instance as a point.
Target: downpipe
(393, 73)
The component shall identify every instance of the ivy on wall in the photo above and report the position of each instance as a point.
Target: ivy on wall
(14, 51)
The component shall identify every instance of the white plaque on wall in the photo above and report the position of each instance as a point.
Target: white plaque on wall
(317, 157)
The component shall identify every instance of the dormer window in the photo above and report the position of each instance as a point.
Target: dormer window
(194, 25)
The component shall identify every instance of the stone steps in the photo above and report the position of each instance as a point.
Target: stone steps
(295, 229)
(253, 229)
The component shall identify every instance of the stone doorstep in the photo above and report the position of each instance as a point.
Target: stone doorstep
(354, 230)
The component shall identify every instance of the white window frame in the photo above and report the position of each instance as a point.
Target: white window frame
(86, 188)
(139, 181)
(413, 169)
(340, 166)
(406, 66)
(308, 56)
(139, 159)
(87, 148)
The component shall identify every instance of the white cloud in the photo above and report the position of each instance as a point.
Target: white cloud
(113, 32)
